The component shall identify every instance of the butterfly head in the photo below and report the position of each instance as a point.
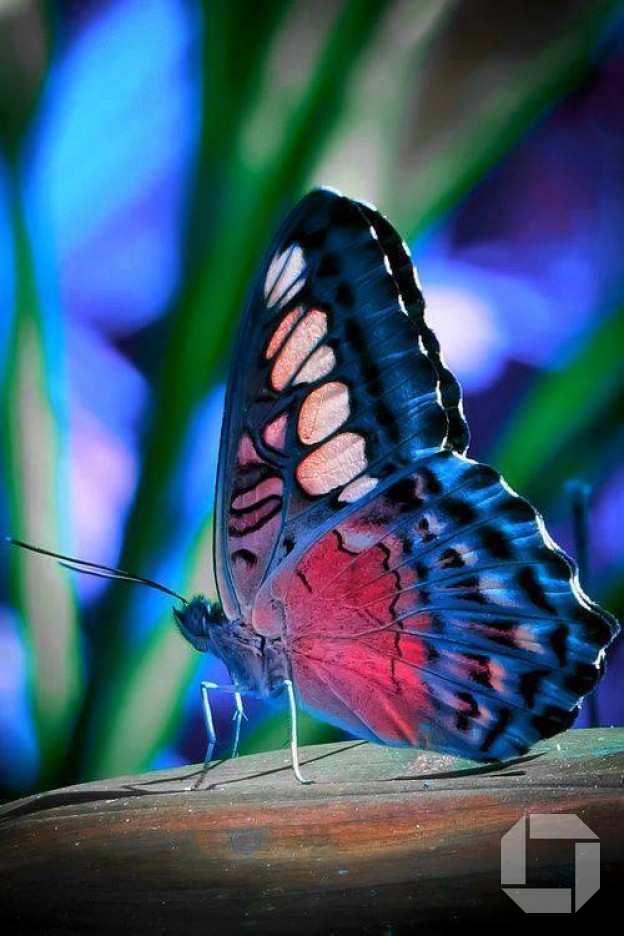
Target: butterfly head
(197, 621)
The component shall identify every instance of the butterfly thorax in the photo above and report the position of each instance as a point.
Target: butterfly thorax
(255, 662)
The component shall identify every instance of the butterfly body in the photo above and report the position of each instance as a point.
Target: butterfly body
(256, 664)
(405, 591)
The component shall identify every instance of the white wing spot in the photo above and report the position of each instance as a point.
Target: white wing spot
(285, 276)
(322, 412)
(336, 462)
(319, 364)
(301, 342)
(283, 330)
(358, 488)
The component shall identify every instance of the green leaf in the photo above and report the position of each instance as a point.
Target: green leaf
(33, 451)
(146, 707)
(464, 82)
(555, 428)
(610, 593)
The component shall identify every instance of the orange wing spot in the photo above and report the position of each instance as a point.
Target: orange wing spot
(274, 434)
(301, 342)
(358, 488)
(318, 365)
(323, 411)
(282, 331)
(333, 464)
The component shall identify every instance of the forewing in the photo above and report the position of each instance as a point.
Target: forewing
(336, 385)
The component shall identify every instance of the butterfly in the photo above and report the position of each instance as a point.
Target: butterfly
(367, 568)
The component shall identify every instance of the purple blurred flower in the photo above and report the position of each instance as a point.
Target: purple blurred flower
(527, 264)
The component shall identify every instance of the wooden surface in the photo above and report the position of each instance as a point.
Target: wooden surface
(384, 841)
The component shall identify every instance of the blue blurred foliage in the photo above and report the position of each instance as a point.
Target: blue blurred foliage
(112, 156)
(518, 275)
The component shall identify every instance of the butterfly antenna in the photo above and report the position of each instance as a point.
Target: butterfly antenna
(95, 569)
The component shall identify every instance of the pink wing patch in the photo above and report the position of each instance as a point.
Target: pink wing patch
(363, 686)
(353, 664)
(354, 654)
(274, 434)
(255, 516)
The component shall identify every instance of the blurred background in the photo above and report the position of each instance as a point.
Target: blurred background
(147, 150)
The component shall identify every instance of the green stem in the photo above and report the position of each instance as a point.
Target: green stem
(32, 446)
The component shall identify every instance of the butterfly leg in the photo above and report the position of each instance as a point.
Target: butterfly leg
(210, 730)
(294, 751)
(239, 714)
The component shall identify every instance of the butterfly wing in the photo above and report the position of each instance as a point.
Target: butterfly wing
(336, 384)
(439, 614)
(419, 599)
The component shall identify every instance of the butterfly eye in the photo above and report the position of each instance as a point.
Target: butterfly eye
(214, 614)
